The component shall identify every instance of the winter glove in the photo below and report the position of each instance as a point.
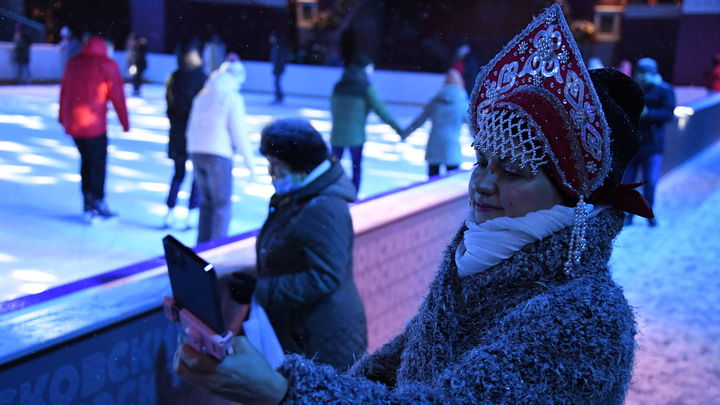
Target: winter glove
(241, 287)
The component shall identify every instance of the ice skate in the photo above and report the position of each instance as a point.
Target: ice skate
(90, 217)
(104, 213)
(169, 219)
(191, 220)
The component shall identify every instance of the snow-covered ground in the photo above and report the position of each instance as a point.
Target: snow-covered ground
(670, 272)
(671, 276)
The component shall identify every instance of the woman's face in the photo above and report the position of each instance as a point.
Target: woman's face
(277, 168)
(501, 188)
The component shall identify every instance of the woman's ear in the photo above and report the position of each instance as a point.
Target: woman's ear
(568, 199)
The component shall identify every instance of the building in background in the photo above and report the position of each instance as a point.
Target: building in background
(411, 36)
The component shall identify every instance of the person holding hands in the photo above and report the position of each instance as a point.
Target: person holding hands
(352, 100)
(447, 112)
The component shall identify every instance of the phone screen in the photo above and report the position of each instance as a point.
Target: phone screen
(194, 284)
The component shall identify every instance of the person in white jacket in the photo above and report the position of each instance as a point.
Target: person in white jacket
(216, 131)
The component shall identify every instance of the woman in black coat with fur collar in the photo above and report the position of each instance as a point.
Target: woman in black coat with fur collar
(305, 250)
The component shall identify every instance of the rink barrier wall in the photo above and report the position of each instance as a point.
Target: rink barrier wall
(688, 135)
(109, 342)
(298, 80)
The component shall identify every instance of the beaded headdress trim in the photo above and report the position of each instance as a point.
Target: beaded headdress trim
(535, 103)
(540, 78)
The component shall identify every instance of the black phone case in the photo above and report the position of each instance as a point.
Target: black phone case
(194, 284)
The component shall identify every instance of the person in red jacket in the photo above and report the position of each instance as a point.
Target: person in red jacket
(90, 79)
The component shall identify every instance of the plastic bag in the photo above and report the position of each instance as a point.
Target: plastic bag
(261, 334)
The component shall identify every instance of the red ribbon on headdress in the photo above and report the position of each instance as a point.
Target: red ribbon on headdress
(623, 197)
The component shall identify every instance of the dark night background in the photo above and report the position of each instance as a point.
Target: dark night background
(410, 35)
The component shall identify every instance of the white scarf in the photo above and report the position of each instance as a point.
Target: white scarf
(487, 244)
(293, 181)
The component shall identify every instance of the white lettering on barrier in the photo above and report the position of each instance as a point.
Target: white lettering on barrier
(126, 389)
(128, 367)
(141, 352)
(34, 395)
(64, 385)
(103, 399)
(93, 374)
(7, 395)
(116, 370)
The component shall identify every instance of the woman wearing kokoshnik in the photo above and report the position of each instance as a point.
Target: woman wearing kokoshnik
(523, 308)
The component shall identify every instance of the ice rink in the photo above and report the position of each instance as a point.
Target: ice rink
(45, 243)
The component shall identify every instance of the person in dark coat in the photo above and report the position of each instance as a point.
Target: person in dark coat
(304, 250)
(181, 87)
(138, 75)
(658, 111)
(21, 54)
(278, 58)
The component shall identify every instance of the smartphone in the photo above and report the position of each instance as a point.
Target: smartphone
(196, 300)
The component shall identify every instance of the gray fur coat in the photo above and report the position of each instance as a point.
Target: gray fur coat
(519, 332)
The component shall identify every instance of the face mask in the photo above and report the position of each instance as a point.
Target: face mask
(289, 182)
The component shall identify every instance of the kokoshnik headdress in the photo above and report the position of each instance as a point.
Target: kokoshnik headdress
(535, 103)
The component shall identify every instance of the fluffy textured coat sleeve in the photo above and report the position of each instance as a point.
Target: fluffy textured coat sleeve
(519, 332)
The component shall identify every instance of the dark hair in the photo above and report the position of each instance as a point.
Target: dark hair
(622, 101)
(295, 142)
(183, 49)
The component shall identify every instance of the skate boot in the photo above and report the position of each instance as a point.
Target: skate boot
(103, 211)
(90, 214)
(169, 219)
(192, 219)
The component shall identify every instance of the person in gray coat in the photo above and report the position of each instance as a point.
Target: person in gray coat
(304, 268)
(448, 112)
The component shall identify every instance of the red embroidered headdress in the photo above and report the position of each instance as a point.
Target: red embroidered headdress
(540, 78)
(535, 103)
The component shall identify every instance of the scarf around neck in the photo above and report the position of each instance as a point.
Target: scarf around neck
(487, 244)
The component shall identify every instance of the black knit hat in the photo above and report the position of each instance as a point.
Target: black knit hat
(622, 101)
(295, 142)
(183, 49)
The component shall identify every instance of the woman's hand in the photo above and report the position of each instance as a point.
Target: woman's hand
(244, 376)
